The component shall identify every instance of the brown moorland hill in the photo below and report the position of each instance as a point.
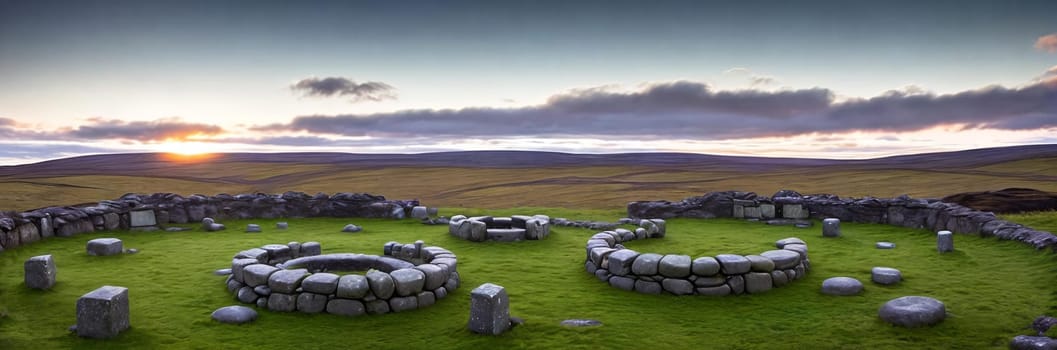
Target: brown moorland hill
(497, 179)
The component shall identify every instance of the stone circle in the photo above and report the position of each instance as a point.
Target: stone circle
(500, 229)
(842, 286)
(724, 274)
(913, 311)
(295, 277)
(234, 314)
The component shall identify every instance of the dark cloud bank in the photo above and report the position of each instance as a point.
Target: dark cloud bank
(692, 110)
(102, 129)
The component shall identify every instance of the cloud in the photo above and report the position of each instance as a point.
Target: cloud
(758, 80)
(5, 122)
(343, 87)
(737, 70)
(1047, 43)
(693, 110)
(142, 131)
(1052, 71)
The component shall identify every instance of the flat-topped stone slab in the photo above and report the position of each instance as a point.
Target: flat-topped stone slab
(842, 286)
(885, 275)
(913, 311)
(103, 313)
(104, 247)
(489, 310)
(142, 218)
(40, 272)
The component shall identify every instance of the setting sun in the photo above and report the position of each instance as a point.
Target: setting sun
(187, 148)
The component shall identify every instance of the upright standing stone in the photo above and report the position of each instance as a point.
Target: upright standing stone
(419, 212)
(103, 313)
(831, 227)
(945, 241)
(40, 272)
(489, 310)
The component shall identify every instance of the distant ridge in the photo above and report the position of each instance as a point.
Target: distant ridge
(147, 163)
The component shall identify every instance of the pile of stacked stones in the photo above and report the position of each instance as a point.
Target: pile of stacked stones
(294, 277)
(904, 211)
(501, 229)
(144, 211)
(723, 274)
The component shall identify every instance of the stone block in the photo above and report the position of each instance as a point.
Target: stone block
(320, 283)
(675, 266)
(758, 282)
(753, 213)
(945, 241)
(141, 218)
(419, 212)
(733, 264)
(104, 246)
(831, 228)
(40, 272)
(311, 303)
(794, 211)
(253, 228)
(489, 310)
(345, 307)
(103, 313)
(311, 249)
(408, 282)
(767, 211)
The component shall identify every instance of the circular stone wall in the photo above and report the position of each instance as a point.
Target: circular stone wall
(501, 229)
(723, 274)
(294, 277)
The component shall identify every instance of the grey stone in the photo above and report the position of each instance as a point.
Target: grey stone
(377, 307)
(783, 259)
(238, 266)
(913, 311)
(295, 249)
(381, 284)
(282, 302)
(779, 278)
(575, 323)
(253, 228)
(753, 212)
(282, 225)
(841, 286)
(140, 218)
(216, 227)
(257, 274)
(678, 286)
(400, 304)
(426, 298)
(705, 266)
(258, 254)
(648, 287)
(885, 245)
(103, 313)
(351, 228)
(478, 230)
(311, 303)
(222, 272)
(758, 282)
(791, 240)
(505, 234)
(719, 290)
(419, 212)
(620, 261)
(945, 241)
(311, 249)
(622, 282)
(733, 264)
(646, 264)
(760, 263)
(675, 266)
(407, 282)
(831, 228)
(286, 281)
(435, 275)
(246, 295)
(710, 281)
(104, 246)
(131, 251)
(262, 302)
(40, 272)
(320, 283)
(1027, 342)
(278, 253)
(794, 211)
(233, 285)
(536, 229)
(737, 284)
(885, 275)
(799, 249)
(603, 275)
(262, 290)
(346, 307)
(234, 314)
(489, 310)
(441, 292)
(640, 233)
(767, 211)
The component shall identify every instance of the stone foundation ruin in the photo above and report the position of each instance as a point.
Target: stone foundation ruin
(500, 229)
(295, 277)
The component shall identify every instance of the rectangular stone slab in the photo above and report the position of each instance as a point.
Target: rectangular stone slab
(142, 218)
(40, 272)
(103, 313)
(489, 310)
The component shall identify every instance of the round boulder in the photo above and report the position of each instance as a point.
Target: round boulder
(885, 275)
(234, 314)
(841, 286)
(913, 311)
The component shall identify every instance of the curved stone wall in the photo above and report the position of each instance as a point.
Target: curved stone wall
(295, 277)
(903, 211)
(724, 274)
(501, 229)
(132, 210)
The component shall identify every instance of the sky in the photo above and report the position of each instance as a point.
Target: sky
(818, 79)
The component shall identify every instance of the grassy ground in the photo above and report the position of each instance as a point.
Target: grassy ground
(992, 290)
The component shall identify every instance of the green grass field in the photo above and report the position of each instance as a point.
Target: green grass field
(993, 289)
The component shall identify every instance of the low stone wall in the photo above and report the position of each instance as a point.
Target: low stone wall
(139, 210)
(904, 211)
(502, 229)
(290, 278)
(724, 274)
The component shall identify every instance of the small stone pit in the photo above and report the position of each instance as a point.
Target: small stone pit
(500, 229)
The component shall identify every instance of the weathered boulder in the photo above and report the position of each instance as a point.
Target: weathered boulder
(841, 286)
(913, 311)
(645, 264)
(40, 272)
(346, 307)
(234, 314)
(311, 303)
(408, 282)
(103, 313)
(733, 264)
(705, 266)
(381, 284)
(286, 281)
(885, 275)
(1027, 342)
(320, 283)
(352, 287)
(104, 246)
(783, 259)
